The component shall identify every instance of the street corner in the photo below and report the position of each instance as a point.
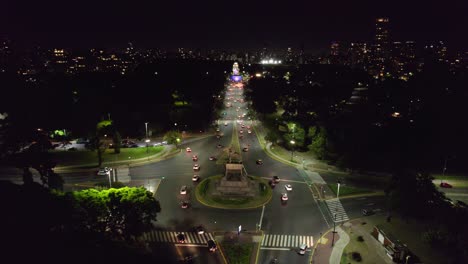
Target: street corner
(324, 247)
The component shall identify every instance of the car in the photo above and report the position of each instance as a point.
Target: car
(200, 230)
(181, 238)
(217, 129)
(284, 197)
(243, 126)
(218, 136)
(219, 146)
(367, 212)
(240, 131)
(302, 249)
(245, 149)
(212, 158)
(461, 204)
(248, 131)
(225, 123)
(195, 158)
(184, 204)
(188, 149)
(195, 178)
(104, 171)
(196, 167)
(183, 189)
(276, 179)
(259, 162)
(288, 187)
(212, 245)
(445, 185)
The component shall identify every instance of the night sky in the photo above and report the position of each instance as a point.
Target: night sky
(228, 24)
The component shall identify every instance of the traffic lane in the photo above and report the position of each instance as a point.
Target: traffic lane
(299, 215)
(354, 206)
(198, 255)
(283, 256)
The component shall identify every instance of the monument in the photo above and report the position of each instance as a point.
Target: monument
(235, 182)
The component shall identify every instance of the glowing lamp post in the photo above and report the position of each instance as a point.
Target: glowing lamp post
(292, 149)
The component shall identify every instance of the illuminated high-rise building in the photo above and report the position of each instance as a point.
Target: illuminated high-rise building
(380, 51)
(335, 49)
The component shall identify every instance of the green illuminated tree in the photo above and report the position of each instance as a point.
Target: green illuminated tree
(173, 137)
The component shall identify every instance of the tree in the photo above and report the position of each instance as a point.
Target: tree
(319, 141)
(271, 136)
(173, 137)
(414, 194)
(117, 142)
(124, 213)
(295, 133)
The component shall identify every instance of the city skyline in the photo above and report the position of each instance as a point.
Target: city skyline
(222, 25)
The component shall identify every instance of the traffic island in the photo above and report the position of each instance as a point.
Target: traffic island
(208, 194)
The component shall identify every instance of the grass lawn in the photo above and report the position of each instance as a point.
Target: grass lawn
(235, 140)
(354, 246)
(347, 190)
(86, 157)
(283, 153)
(204, 189)
(237, 253)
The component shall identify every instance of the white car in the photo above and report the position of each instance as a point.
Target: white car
(288, 187)
(196, 167)
(248, 131)
(104, 171)
(284, 197)
(183, 189)
(225, 123)
(188, 149)
(195, 177)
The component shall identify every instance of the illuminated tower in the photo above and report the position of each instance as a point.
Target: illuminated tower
(381, 45)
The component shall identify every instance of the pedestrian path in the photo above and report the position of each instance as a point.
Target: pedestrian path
(337, 212)
(171, 237)
(286, 241)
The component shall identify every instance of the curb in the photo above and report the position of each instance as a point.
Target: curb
(227, 208)
(316, 245)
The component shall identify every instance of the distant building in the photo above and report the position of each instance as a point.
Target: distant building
(380, 49)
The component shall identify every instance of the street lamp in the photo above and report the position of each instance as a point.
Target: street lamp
(334, 226)
(147, 140)
(292, 149)
(338, 190)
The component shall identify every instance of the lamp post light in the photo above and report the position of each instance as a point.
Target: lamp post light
(292, 149)
(338, 189)
(443, 170)
(334, 226)
(146, 133)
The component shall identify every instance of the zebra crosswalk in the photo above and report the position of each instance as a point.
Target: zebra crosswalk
(171, 237)
(286, 241)
(337, 212)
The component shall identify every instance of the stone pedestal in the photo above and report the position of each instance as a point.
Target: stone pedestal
(235, 183)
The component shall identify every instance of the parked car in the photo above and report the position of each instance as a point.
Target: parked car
(367, 212)
(445, 185)
(104, 171)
